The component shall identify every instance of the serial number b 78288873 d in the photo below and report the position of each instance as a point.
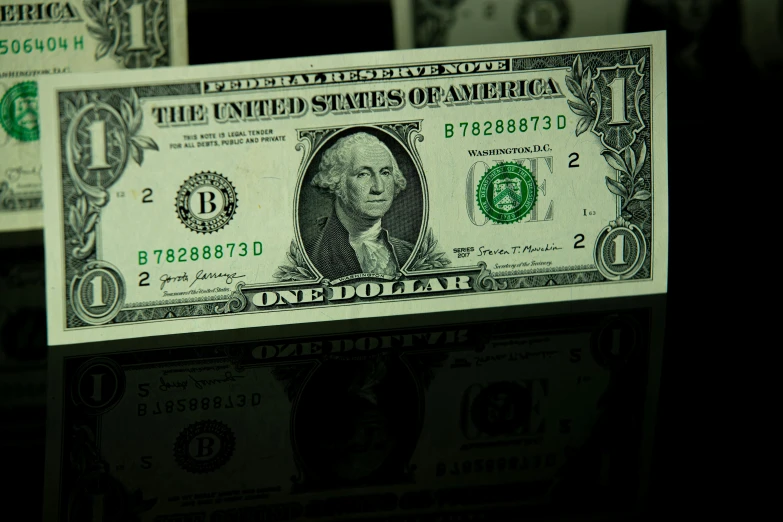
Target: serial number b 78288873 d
(183, 255)
(490, 128)
(216, 402)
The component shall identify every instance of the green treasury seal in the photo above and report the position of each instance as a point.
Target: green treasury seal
(507, 192)
(19, 111)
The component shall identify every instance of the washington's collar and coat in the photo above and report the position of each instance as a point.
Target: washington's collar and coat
(334, 256)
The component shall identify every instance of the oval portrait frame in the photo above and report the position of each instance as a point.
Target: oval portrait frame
(400, 138)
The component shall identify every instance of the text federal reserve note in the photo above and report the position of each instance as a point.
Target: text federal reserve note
(548, 414)
(361, 186)
(54, 37)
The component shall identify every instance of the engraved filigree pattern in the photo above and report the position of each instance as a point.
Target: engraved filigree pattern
(236, 303)
(90, 181)
(159, 302)
(427, 256)
(297, 269)
(135, 35)
(633, 182)
(486, 281)
(313, 137)
(534, 271)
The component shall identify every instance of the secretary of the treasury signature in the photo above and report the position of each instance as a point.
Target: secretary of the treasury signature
(200, 276)
(527, 249)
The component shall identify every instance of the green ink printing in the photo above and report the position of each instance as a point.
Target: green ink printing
(507, 193)
(182, 255)
(19, 111)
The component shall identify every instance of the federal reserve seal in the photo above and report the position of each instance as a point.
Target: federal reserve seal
(507, 193)
(19, 111)
(206, 202)
(204, 446)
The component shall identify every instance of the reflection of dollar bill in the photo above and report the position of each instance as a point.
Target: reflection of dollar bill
(701, 35)
(38, 39)
(22, 370)
(543, 412)
(22, 328)
(435, 23)
(763, 34)
(364, 186)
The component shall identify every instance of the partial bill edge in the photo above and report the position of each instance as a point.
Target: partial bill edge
(21, 220)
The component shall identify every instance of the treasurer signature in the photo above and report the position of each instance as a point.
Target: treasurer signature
(201, 275)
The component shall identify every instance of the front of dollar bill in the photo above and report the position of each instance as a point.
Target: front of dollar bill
(50, 38)
(360, 186)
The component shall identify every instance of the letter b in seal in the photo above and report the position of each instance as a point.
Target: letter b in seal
(206, 202)
(207, 198)
(204, 446)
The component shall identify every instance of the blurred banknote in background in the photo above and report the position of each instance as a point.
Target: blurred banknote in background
(701, 34)
(763, 34)
(546, 415)
(435, 23)
(22, 371)
(44, 38)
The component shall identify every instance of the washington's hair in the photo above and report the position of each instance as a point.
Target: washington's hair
(337, 160)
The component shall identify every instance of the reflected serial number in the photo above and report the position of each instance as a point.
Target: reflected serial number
(494, 465)
(195, 404)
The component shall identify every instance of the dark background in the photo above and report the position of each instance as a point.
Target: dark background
(723, 127)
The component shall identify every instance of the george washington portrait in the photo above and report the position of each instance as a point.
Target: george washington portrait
(367, 213)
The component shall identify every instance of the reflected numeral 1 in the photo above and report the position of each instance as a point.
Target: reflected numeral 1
(616, 341)
(96, 386)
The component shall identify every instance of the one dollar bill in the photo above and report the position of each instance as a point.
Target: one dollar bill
(358, 186)
(40, 38)
(551, 413)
